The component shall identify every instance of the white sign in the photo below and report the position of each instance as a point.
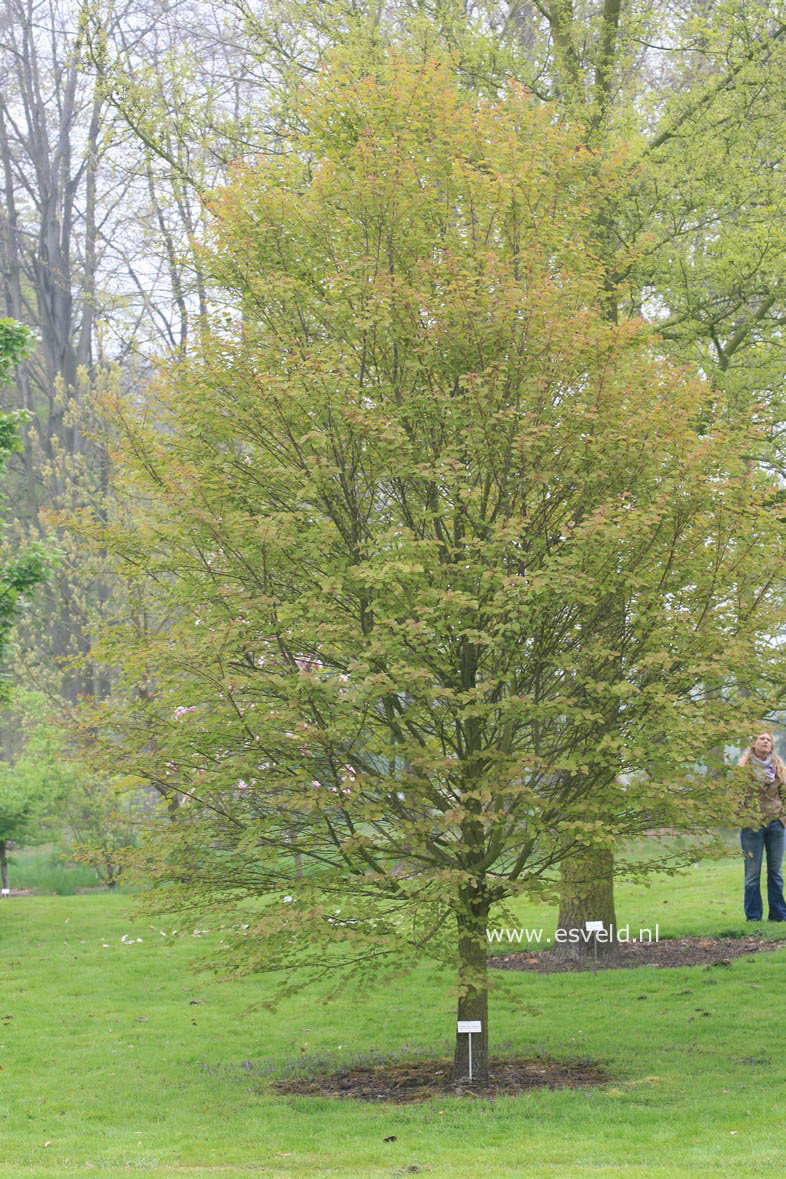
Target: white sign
(6, 892)
(468, 1025)
(593, 926)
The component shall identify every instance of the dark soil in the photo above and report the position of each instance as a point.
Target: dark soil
(404, 1083)
(678, 951)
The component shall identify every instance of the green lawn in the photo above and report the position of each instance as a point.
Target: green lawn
(116, 1058)
(46, 869)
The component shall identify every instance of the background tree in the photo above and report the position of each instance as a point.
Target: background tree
(18, 577)
(447, 559)
(21, 572)
(692, 237)
(96, 256)
(51, 127)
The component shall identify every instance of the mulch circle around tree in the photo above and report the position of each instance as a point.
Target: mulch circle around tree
(430, 1079)
(678, 951)
(404, 1083)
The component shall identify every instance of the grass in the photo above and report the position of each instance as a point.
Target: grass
(45, 870)
(117, 1059)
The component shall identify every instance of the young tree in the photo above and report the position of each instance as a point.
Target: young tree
(448, 561)
(695, 90)
(102, 824)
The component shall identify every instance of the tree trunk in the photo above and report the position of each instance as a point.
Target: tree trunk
(3, 864)
(587, 880)
(473, 992)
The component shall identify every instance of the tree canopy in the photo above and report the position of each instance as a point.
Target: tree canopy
(450, 554)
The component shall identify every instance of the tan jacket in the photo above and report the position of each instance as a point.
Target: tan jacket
(771, 794)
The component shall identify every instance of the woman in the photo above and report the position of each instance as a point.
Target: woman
(768, 773)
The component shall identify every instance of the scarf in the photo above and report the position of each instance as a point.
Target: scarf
(764, 768)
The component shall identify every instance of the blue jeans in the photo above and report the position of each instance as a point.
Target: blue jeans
(754, 843)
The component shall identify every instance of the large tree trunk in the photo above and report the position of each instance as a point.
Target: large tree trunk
(3, 864)
(473, 992)
(587, 881)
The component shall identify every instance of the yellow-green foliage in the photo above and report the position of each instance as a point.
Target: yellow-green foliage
(448, 560)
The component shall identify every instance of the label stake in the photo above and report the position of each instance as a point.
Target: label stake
(469, 1027)
(594, 927)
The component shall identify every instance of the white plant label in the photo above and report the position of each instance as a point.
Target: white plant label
(468, 1027)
